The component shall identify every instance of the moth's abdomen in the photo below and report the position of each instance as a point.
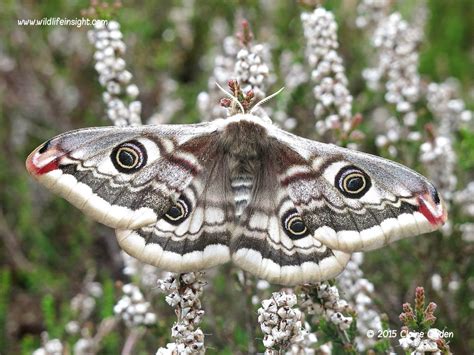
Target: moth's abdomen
(242, 189)
(246, 146)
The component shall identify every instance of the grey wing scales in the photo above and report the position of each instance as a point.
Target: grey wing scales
(196, 236)
(83, 167)
(355, 201)
(142, 181)
(167, 191)
(264, 242)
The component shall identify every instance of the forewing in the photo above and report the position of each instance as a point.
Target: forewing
(125, 178)
(164, 188)
(395, 202)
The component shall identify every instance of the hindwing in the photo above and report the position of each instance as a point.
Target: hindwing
(272, 241)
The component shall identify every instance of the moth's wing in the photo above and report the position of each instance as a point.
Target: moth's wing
(201, 238)
(81, 166)
(397, 203)
(261, 245)
(84, 167)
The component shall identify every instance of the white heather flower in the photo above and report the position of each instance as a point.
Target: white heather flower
(72, 327)
(132, 91)
(294, 73)
(223, 70)
(249, 64)
(343, 322)
(465, 198)
(323, 300)
(305, 343)
(390, 132)
(396, 43)
(83, 304)
(420, 342)
(446, 107)
(414, 339)
(454, 284)
(405, 343)
(251, 69)
(133, 309)
(467, 230)
(427, 345)
(54, 346)
(333, 100)
(110, 48)
(370, 12)
(49, 346)
(436, 282)
(171, 349)
(434, 334)
(181, 16)
(94, 289)
(169, 103)
(280, 322)
(439, 158)
(438, 155)
(358, 291)
(262, 285)
(183, 292)
(84, 347)
(147, 274)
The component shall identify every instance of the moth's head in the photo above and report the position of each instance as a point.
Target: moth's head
(262, 119)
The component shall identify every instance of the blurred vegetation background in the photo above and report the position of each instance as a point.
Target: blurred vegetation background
(48, 86)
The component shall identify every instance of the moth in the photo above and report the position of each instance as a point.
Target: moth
(189, 197)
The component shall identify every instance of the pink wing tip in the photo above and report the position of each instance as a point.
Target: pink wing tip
(42, 160)
(434, 211)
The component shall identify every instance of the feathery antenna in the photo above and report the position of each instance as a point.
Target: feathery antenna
(261, 102)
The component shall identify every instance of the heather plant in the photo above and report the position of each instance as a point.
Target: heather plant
(417, 333)
(384, 77)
